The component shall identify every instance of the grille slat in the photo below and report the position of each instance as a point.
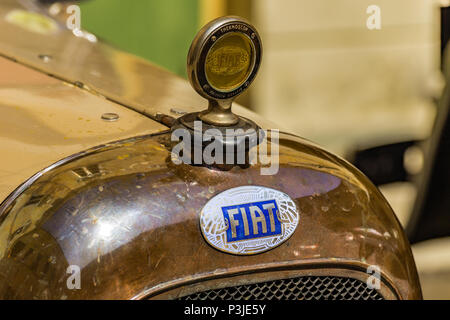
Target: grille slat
(300, 288)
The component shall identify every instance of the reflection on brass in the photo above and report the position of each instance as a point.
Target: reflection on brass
(45, 120)
(105, 70)
(127, 216)
(119, 212)
(45, 57)
(34, 22)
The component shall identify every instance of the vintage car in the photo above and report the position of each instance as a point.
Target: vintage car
(100, 201)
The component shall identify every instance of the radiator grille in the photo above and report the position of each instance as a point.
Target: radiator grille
(301, 288)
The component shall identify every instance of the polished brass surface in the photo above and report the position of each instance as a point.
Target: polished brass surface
(44, 120)
(104, 70)
(32, 21)
(128, 217)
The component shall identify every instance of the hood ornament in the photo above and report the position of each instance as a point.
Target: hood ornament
(222, 62)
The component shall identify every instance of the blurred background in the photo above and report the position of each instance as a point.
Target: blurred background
(320, 60)
(371, 96)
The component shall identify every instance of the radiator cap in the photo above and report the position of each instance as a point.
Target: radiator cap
(222, 62)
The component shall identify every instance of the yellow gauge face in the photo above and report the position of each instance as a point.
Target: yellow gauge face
(229, 62)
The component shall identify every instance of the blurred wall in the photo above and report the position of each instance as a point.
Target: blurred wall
(329, 78)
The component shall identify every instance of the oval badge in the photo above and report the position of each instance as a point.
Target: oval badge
(248, 220)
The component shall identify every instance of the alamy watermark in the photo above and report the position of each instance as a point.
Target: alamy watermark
(73, 23)
(373, 22)
(73, 282)
(374, 280)
(74, 20)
